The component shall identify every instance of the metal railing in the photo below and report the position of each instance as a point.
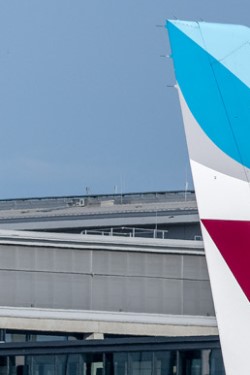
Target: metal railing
(128, 232)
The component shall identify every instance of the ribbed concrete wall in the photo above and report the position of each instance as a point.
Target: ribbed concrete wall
(88, 273)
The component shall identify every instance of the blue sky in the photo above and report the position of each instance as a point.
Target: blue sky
(84, 96)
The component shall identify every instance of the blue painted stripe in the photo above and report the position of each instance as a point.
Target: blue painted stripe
(222, 41)
(219, 101)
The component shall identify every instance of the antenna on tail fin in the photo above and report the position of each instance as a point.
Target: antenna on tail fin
(212, 71)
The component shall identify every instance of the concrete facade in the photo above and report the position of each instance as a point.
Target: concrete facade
(142, 281)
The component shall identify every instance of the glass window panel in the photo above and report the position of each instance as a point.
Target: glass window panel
(75, 365)
(3, 365)
(96, 368)
(60, 364)
(206, 362)
(190, 362)
(43, 365)
(165, 363)
(15, 337)
(48, 338)
(21, 370)
(141, 363)
(94, 364)
(120, 363)
(12, 365)
(216, 363)
(18, 366)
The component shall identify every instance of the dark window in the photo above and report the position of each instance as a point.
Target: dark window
(165, 363)
(216, 363)
(141, 363)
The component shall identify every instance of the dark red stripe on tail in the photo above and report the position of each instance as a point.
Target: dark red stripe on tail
(233, 241)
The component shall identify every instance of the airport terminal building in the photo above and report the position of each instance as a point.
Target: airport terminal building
(105, 285)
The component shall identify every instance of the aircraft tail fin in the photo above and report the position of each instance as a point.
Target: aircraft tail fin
(212, 71)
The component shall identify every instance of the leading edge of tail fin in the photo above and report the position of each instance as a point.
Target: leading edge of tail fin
(212, 71)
